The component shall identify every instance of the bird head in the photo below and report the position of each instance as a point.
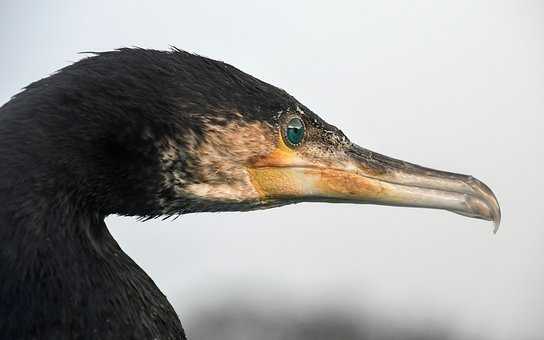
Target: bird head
(152, 133)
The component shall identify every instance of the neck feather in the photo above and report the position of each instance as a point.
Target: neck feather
(65, 277)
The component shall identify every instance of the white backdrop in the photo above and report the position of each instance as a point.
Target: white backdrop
(454, 85)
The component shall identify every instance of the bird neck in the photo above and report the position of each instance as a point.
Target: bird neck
(64, 275)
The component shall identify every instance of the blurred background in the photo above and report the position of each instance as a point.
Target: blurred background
(454, 85)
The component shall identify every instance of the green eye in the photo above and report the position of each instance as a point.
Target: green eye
(295, 131)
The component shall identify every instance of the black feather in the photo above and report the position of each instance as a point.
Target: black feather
(82, 144)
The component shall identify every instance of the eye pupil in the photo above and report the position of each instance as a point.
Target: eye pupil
(295, 131)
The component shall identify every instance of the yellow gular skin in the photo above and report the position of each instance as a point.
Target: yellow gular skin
(285, 174)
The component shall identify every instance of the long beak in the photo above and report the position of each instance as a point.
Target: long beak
(363, 176)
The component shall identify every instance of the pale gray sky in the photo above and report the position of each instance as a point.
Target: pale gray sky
(454, 85)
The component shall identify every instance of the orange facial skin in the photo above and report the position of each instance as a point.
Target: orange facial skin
(285, 173)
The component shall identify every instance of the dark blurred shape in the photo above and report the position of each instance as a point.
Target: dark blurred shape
(240, 320)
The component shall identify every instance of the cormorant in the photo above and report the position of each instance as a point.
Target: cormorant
(150, 133)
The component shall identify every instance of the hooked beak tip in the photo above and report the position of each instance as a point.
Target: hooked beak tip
(491, 201)
(484, 203)
(497, 219)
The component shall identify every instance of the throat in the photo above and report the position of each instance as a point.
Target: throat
(64, 276)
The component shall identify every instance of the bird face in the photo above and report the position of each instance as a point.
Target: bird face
(238, 163)
(152, 133)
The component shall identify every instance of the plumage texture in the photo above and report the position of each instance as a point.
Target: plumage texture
(89, 141)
